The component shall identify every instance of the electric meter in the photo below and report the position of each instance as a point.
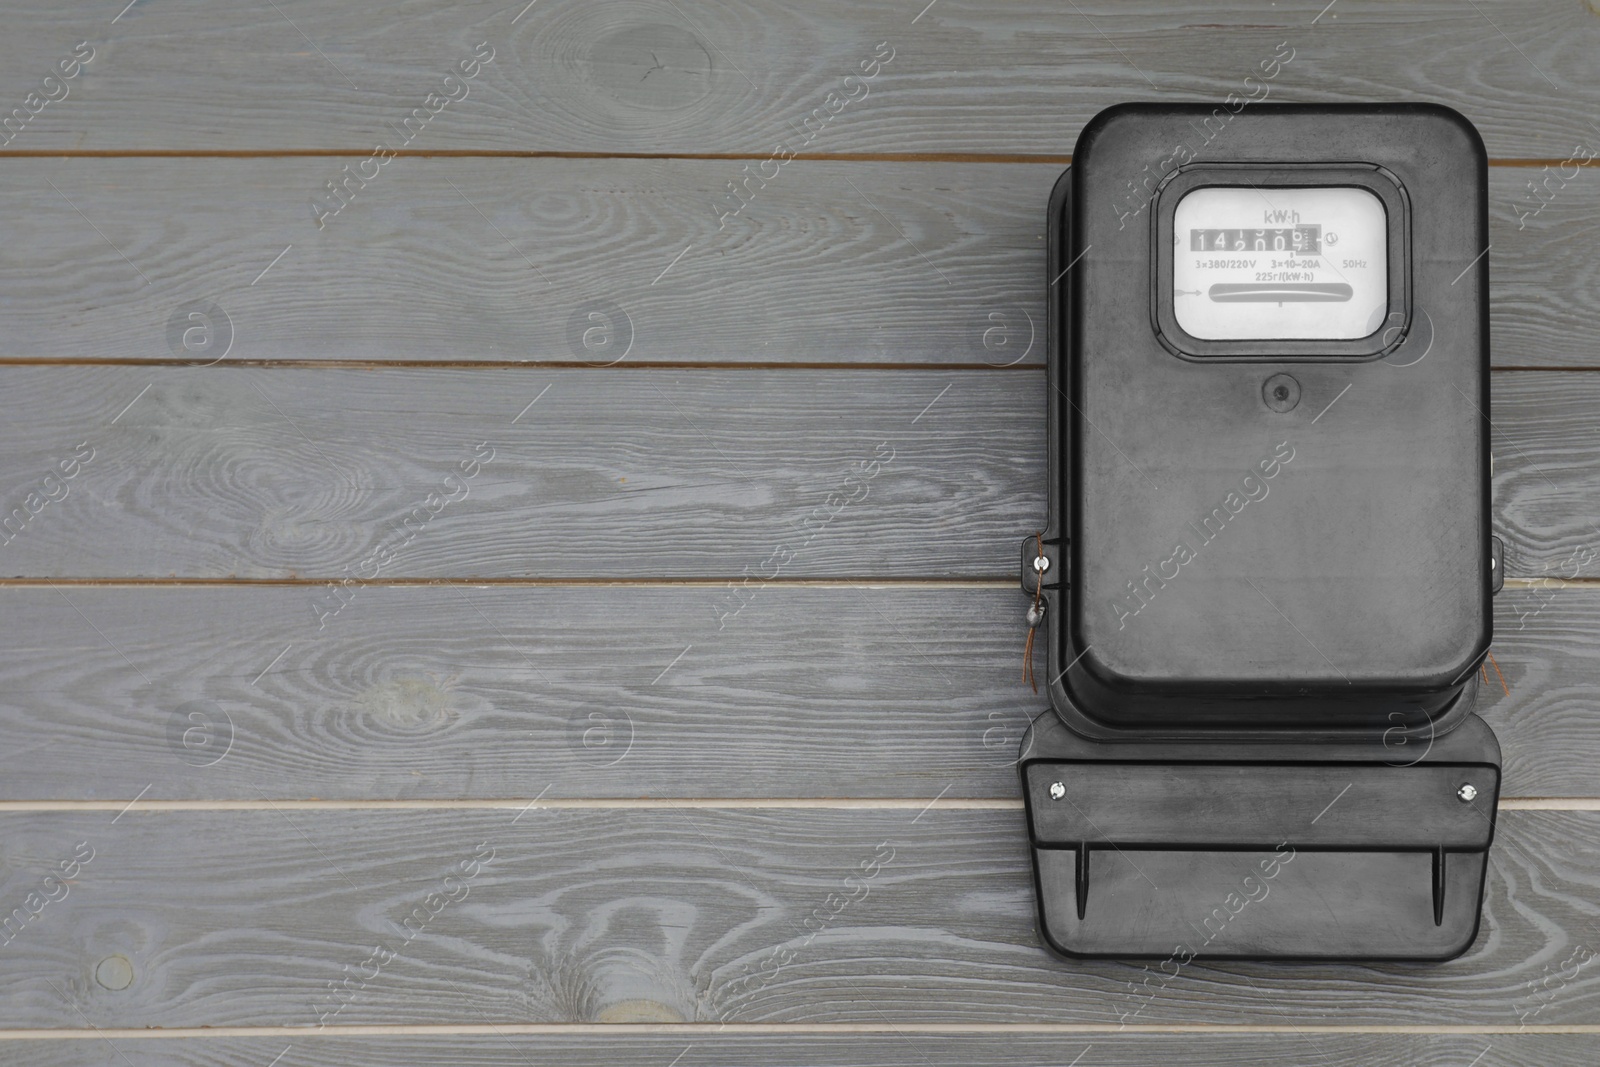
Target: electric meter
(1263, 590)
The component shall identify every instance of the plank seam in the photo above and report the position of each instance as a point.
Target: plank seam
(857, 582)
(704, 582)
(512, 364)
(757, 1029)
(1024, 158)
(572, 364)
(633, 804)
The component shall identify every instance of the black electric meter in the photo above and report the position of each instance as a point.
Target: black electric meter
(1264, 586)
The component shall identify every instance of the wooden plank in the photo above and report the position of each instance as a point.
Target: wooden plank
(512, 692)
(465, 260)
(242, 472)
(497, 259)
(855, 1050)
(310, 473)
(1542, 688)
(717, 76)
(227, 694)
(660, 915)
(1547, 474)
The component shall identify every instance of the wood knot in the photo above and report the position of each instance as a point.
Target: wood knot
(654, 66)
(114, 973)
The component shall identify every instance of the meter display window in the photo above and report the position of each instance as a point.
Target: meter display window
(1267, 263)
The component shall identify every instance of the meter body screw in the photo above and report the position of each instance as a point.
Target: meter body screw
(1281, 392)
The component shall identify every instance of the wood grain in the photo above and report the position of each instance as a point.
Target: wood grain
(304, 473)
(415, 694)
(473, 259)
(1540, 699)
(725, 77)
(241, 472)
(1547, 474)
(244, 918)
(469, 260)
(855, 1050)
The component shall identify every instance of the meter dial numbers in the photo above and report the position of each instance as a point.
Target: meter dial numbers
(1300, 240)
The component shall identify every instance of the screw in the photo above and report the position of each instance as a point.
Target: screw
(1041, 564)
(1281, 392)
(1057, 791)
(1468, 793)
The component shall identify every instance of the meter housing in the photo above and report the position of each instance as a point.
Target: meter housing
(1268, 546)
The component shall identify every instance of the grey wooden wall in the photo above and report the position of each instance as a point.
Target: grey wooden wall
(377, 689)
